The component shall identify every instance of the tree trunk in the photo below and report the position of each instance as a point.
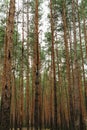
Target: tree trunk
(7, 79)
(22, 74)
(85, 39)
(36, 114)
(27, 73)
(68, 66)
(53, 66)
(76, 80)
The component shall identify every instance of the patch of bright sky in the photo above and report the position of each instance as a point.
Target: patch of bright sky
(44, 21)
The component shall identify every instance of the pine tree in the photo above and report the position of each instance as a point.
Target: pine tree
(53, 66)
(7, 78)
(37, 82)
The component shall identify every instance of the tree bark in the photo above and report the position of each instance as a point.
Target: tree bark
(53, 66)
(7, 79)
(68, 66)
(75, 66)
(27, 73)
(36, 114)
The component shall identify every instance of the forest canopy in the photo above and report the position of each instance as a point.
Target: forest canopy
(43, 64)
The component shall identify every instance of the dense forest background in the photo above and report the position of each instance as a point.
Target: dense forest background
(43, 64)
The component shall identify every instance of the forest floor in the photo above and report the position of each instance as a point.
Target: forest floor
(26, 129)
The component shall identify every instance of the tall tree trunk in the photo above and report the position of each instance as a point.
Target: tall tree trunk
(76, 80)
(85, 39)
(16, 89)
(6, 89)
(33, 86)
(36, 114)
(33, 94)
(22, 74)
(27, 73)
(13, 102)
(68, 66)
(53, 66)
(83, 73)
(40, 95)
(51, 96)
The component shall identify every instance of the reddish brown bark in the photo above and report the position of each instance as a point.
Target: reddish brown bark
(37, 82)
(7, 79)
(53, 65)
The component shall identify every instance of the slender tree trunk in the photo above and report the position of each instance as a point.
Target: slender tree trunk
(33, 92)
(27, 73)
(33, 87)
(22, 75)
(85, 39)
(15, 89)
(82, 109)
(6, 89)
(68, 67)
(51, 96)
(76, 80)
(13, 102)
(36, 114)
(53, 67)
(16, 109)
(80, 38)
(40, 97)
(59, 87)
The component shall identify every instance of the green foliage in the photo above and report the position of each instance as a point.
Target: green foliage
(2, 34)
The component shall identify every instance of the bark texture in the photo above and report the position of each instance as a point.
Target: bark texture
(6, 89)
